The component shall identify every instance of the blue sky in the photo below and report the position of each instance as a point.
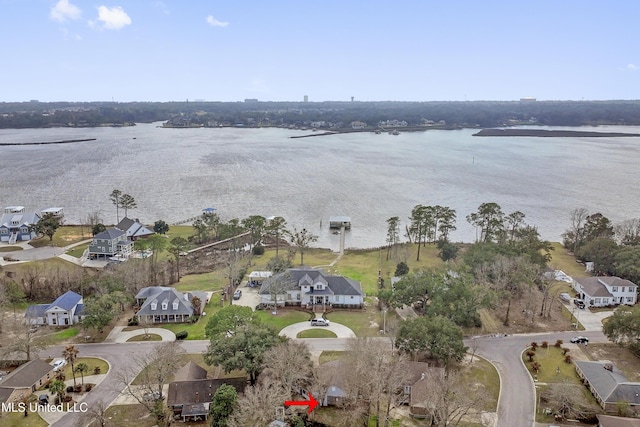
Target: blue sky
(405, 50)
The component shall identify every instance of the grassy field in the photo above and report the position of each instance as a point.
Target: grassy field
(10, 248)
(483, 372)
(133, 416)
(78, 250)
(561, 259)
(214, 281)
(316, 333)
(63, 335)
(64, 236)
(365, 323)
(17, 419)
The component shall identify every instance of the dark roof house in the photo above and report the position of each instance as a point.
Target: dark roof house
(608, 385)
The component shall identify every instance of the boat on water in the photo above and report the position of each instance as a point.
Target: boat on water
(394, 132)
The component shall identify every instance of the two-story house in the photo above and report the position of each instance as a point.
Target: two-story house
(16, 225)
(161, 304)
(110, 243)
(134, 229)
(67, 309)
(308, 287)
(605, 290)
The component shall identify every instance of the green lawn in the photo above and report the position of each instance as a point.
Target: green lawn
(63, 335)
(10, 248)
(328, 356)
(145, 338)
(133, 416)
(213, 281)
(78, 250)
(195, 330)
(483, 372)
(92, 362)
(553, 367)
(285, 317)
(365, 323)
(316, 333)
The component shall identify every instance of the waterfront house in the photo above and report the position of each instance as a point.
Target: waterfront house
(311, 287)
(134, 229)
(603, 291)
(111, 243)
(339, 222)
(17, 225)
(67, 309)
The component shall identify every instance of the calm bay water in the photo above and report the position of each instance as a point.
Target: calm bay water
(174, 173)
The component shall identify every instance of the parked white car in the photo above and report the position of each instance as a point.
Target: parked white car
(59, 364)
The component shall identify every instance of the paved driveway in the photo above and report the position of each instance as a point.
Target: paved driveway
(590, 321)
(250, 297)
(341, 331)
(118, 335)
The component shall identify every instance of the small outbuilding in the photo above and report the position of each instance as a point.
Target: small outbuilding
(339, 222)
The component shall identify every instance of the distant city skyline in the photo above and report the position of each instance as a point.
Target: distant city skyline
(408, 50)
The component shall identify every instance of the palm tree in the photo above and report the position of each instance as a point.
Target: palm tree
(70, 354)
(58, 388)
(82, 368)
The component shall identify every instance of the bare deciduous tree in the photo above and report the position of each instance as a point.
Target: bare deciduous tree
(257, 407)
(289, 365)
(22, 342)
(568, 401)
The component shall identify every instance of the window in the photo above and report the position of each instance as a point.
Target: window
(630, 299)
(615, 289)
(154, 305)
(407, 389)
(164, 305)
(622, 290)
(175, 305)
(596, 300)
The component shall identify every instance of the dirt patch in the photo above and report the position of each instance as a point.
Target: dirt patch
(621, 357)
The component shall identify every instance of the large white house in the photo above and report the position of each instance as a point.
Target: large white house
(67, 309)
(605, 290)
(307, 287)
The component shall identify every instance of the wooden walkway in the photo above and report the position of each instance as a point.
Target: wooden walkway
(210, 245)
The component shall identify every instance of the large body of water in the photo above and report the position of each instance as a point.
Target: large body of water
(175, 173)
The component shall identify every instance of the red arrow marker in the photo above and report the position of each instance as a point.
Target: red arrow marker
(311, 403)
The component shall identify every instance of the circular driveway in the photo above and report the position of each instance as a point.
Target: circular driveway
(341, 331)
(118, 335)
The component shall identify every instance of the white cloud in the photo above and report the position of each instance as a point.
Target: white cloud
(113, 18)
(63, 10)
(633, 67)
(163, 7)
(215, 23)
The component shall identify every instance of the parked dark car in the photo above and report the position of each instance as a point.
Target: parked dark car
(580, 340)
(579, 302)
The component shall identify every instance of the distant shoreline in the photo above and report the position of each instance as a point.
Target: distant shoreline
(552, 133)
(64, 141)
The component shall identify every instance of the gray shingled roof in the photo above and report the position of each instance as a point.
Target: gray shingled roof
(5, 393)
(27, 375)
(339, 285)
(190, 371)
(109, 234)
(199, 391)
(150, 291)
(594, 286)
(612, 386)
(22, 218)
(169, 296)
(611, 421)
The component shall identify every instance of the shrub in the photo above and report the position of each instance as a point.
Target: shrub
(565, 350)
(534, 346)
(77, 388)
(258, 250)
(96, 370)
(132, 322)
(182, 335)
(567, 358)
(544, 344)
(530, 355)
(88, 387)
(69, 389)
(558, 343)
(401, 269)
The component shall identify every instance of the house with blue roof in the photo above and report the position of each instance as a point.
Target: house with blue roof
(67, 309)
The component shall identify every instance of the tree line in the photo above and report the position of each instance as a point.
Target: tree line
(339, 114)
